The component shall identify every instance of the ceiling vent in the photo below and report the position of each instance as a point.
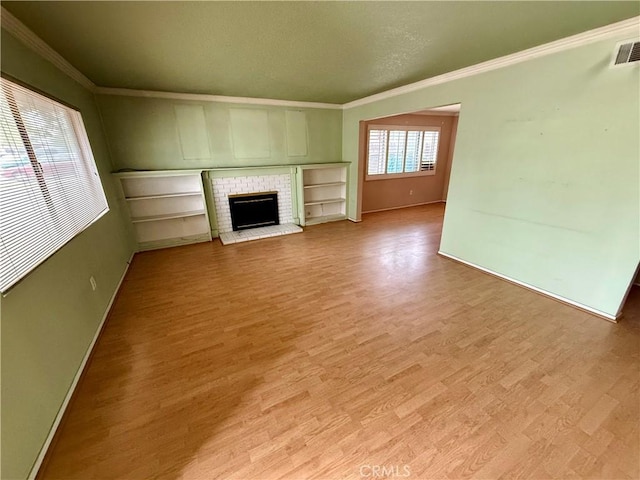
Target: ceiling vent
(627, 52)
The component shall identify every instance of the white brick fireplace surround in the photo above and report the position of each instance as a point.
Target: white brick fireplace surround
(225, 186)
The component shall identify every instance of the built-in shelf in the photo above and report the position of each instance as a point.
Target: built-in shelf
(166, 208)
(324, 192)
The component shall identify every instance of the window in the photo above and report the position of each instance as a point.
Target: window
(49, 185)
(401, 151)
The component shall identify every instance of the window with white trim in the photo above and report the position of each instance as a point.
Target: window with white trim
(401, 151)
(50, 189)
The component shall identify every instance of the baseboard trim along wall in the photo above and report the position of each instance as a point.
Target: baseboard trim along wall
(67, 399)
(403, 206)
(590, 310)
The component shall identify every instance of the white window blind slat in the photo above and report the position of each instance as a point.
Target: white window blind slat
(429, 151)
(395, 153)
(49, 185)
(412, 158)
(377, 152)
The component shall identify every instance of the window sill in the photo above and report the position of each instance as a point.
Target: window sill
(389, 176)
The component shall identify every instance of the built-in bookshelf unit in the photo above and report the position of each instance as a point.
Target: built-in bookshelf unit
(166, 207)
(324, 193)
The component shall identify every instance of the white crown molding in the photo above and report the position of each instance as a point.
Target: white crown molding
(198, 97)
(625, 27)
(629, 27)
(432, 114)
(16, 28)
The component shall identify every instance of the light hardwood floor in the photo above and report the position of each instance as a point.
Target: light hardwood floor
(324, 354)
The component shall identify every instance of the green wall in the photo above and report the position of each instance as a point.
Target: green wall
(545, 178)
(49, 319)
(156, 134)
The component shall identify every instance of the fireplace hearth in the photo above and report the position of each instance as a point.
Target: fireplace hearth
(254, 210)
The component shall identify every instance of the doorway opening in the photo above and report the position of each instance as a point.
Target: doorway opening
(405, 160)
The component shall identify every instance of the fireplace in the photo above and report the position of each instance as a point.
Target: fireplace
(253, 210)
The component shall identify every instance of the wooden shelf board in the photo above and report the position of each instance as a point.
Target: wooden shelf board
(329, 184)
(156, 173)
(169, 216)
(165, 195)
(328, 200)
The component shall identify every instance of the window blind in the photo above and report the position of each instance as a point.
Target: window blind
(49, 185)
(410, 150)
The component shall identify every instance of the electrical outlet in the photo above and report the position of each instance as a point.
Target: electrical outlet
(92, 281)
(410, 192)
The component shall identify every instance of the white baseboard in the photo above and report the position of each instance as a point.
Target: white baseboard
(604, 315)
(403, 206)
(56, 423)
(353, 220)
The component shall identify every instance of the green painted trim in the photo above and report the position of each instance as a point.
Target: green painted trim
(300, 196)
(324, 165)
(269, 169)
(157, 173)
(210, 203)
(295, 195)
(248, 172)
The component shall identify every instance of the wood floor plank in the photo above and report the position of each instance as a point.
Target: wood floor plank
(349, 345)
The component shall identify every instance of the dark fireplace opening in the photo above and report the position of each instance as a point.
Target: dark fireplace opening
(253, 210)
